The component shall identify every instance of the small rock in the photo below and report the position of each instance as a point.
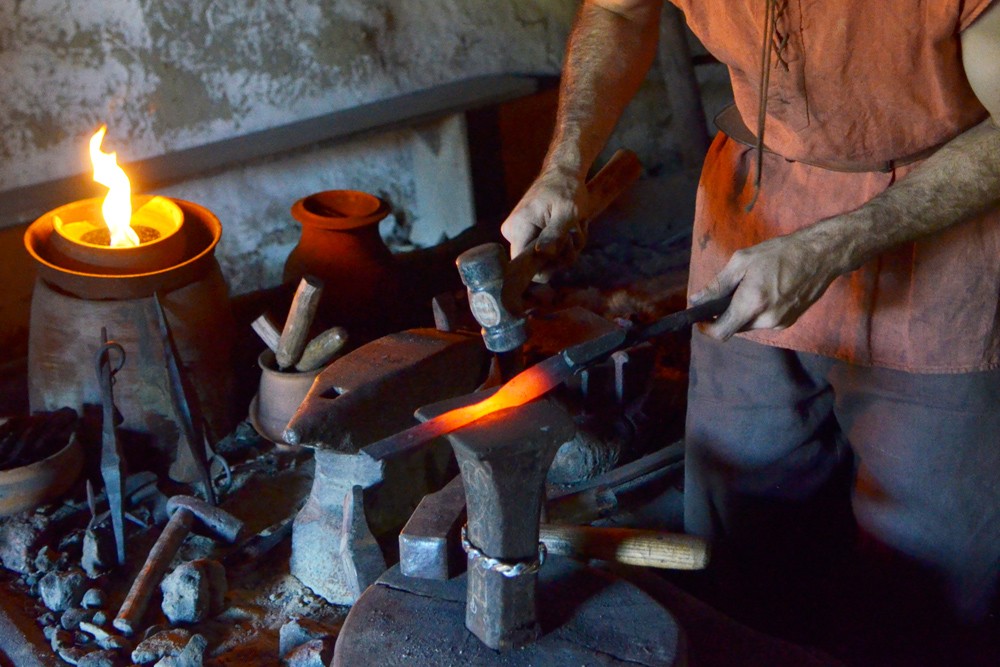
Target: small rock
(98, 551)
(31, 580)
(96, 631)
(62, 590)
(72, 655)
(20, 536)
(48, 631)
(114, 642)
(48, 559)
(100, 618)
(161, 644)
(192, 655)
(299, 631)
(61, 639)
(70, 543)
(82, 638)
(193, 591)
(48, 618)
(103, 658)
(314, 653)
(71, 618)
(93, 599)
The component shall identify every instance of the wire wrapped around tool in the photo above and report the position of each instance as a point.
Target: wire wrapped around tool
(509, 569)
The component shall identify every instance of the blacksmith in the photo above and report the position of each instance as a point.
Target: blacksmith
(852, 209)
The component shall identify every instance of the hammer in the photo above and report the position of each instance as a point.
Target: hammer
(183, 510)
(496, 285)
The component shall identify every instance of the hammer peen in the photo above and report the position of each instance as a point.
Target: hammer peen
(496, 286)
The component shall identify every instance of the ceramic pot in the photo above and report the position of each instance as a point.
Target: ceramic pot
(340, 244)
(40, 482)
(278, 397)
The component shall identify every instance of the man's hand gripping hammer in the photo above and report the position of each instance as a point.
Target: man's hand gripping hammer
(496, 285)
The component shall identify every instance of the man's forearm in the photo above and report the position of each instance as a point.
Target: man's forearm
(610, 50)
(958, 182)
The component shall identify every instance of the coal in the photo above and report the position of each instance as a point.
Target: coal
(194, 591)
(314, 653)
(62, 590)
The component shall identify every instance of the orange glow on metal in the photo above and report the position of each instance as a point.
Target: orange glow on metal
(526, 386)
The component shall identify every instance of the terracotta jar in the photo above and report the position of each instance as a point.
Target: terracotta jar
(341, 245)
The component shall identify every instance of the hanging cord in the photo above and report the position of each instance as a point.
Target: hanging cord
(772, 41)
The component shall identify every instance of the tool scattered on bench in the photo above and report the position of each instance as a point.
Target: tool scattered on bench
(184, 512)
(113, 470)
(192, 461)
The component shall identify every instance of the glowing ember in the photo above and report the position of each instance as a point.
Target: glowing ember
(526, 386)
(117, 206)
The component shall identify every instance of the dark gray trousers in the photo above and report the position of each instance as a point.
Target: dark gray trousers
(776, 440)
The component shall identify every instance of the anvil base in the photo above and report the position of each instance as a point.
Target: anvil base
(588, 617)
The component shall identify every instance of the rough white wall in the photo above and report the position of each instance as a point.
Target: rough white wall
(171, 74)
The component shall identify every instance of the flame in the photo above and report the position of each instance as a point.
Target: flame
(117, 206)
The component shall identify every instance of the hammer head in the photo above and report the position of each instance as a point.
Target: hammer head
(213, 520)
(495, 305)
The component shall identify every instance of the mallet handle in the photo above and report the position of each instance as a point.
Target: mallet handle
(300, 316)
(645, 548)
(149, 577)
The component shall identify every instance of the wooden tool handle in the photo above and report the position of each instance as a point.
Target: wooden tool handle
(645, 548)
(300, 317)
(268, 333)
(322, 349)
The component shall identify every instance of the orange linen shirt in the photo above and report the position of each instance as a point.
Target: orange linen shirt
(861, 81)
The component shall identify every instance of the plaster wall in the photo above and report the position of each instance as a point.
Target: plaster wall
(166, 75)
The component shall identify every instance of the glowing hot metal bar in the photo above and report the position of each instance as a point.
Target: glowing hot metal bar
(539, 379)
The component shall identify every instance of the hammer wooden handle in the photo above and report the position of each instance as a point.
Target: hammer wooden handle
(614, 178)
(645, 548)
(300, 317)
(163, 551)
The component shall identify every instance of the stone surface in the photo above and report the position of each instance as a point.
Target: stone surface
(161, 644)
(71, 618)
(20, 536)
(62, 590)
(192, 654)
(103, 658)
(314, 653)
(93, 599)
(47, 559)
(194, 591)
(299, 631)
(72, 655)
